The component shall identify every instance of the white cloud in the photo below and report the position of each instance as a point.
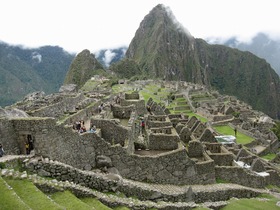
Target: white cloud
(37, 57)
(108, 56)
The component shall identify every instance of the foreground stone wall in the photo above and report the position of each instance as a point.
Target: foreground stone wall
(59, 143)
(81, 150)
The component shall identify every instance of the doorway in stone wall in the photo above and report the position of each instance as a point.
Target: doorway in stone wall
(26, 143)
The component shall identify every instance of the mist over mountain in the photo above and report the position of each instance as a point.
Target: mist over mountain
(106, 57)
(25, 70)
(161, 48)
(261, 45)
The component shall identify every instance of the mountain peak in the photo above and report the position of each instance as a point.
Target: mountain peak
(160, 43)
(82, 68)
(162, 14)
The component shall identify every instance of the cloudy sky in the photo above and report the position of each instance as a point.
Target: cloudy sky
(94, 24)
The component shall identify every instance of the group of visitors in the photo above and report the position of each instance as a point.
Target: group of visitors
(80, 126)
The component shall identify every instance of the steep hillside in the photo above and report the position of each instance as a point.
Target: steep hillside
(242, 74)
(83, 67)
(163, 49)
(262, 46)
(27, 70)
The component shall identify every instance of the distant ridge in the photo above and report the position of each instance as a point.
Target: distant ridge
(25, 70)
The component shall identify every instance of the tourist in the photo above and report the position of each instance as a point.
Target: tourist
(142, 126)
(149, 109)
(78, 125)
(235, 131)
(1, 151)
(92, 129)
(82, 129)
(27, 148)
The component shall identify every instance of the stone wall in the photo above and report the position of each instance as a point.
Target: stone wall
(122, 112)
(218, 118)
(158, 124)
(59, 143)
(81, 150)
(139, 105)
(8, 137)
(83, 114)
(131, 96)
(222, 159)
(158, 141)
(235, 174)
(112, 132)
(206, 170)
(219, 154)
(58, 109)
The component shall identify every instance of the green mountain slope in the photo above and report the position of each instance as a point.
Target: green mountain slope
(241, 74)
(27, 70)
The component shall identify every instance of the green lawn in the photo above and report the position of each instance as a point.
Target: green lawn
(202, 119)
(9, 199)
(93, 202)
(31, 195)
(266, 202)
(155, 92)
(269, 156)
(70, 201)
(240, 137)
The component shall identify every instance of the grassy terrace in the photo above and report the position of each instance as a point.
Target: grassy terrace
(240, 137)
(155, 92)
(269, 156)
(23, 194)
(188, 112)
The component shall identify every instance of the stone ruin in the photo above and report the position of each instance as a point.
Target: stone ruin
(171, 149)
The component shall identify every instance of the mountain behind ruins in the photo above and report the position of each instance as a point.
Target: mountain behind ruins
(162, 48)
(25, 70)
